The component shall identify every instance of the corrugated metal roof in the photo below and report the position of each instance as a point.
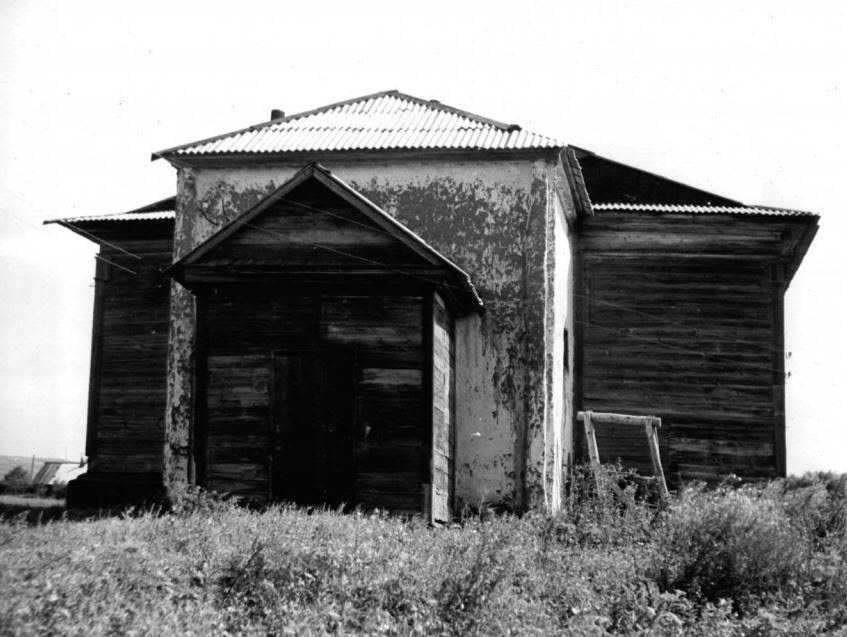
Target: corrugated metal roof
(705, 210)
(158, 210)
(387, 120)
(120, 216)
(57, 473)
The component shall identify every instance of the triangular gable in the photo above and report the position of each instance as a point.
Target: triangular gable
(318, 224)
(610, 181)
(381, 121)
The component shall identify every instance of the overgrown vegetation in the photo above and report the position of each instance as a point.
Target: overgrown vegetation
(16, 480)
(764, 560)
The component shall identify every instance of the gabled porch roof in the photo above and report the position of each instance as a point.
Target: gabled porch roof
(438, 271)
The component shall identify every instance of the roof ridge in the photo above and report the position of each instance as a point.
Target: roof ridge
(434, 104)
(458, 111)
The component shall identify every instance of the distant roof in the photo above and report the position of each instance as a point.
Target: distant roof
(58, 472)
(158, 210)
(386, 120)
(703, 210)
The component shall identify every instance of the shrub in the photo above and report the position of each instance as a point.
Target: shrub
(817, 503)
(189, 500)
(728, 544)
(615, 518)
(59, 491)
(16, 480)
(466, 591)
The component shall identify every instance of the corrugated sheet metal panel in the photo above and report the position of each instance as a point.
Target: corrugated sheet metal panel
(705, 210)
(163, 209)
(120, 216)
(57, 473)
(389, 120)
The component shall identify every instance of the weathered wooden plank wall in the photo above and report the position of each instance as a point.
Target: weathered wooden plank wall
(681, 317)
(243, 328)
(126, 428)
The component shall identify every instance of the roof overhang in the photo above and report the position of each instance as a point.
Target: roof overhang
(156, 216)
(797, 227)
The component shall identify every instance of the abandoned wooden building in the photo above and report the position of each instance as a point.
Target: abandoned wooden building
(392, 303)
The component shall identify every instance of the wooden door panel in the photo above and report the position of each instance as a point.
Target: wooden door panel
(313, 428)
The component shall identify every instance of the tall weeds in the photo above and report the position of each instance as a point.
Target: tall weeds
(728, 543)
(766, 560)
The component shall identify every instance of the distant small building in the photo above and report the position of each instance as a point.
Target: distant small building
(58, 472)
(390, 302)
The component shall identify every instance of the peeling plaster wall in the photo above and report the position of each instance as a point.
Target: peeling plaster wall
(498, 221)
(179, 411)
(563, 347)
(549, 450)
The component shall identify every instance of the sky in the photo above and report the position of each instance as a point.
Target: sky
(743, 99)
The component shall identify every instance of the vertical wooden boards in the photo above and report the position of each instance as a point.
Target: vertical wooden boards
(127, 409)
(443, 374)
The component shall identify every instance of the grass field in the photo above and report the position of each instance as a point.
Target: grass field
(31, 508)
(30, 502)
(751, 561)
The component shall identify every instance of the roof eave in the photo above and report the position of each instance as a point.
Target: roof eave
(209, 160)
(72, 228)
(802, 247)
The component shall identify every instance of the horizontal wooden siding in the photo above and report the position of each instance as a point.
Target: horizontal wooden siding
(242, 330)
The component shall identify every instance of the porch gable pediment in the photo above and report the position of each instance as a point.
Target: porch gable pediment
(316, 225)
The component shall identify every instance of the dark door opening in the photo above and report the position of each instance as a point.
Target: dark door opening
(313, 457)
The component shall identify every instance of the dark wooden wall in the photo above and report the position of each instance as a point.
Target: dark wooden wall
(681, 317)
(241, 330)
(127, 393)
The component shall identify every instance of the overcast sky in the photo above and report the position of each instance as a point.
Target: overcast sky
(743, 99)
